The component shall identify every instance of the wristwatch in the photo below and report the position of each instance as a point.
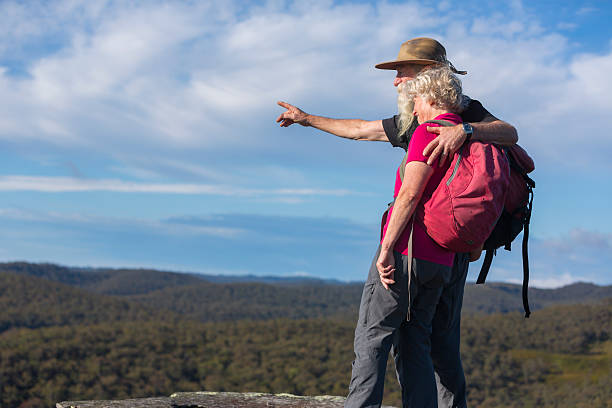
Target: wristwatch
(469, 131)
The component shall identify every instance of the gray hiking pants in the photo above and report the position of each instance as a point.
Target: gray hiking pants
(425, 349)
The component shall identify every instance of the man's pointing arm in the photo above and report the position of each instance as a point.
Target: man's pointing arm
(356, 129)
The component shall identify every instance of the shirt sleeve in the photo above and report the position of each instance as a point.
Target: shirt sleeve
(420, 139)
(475, 112)
(391, 127)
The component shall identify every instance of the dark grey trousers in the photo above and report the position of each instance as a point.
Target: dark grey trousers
(425, 349)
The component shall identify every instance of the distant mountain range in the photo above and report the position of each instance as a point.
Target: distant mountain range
(144, 292)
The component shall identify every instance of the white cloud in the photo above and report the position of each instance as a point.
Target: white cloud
(547, 89)
(181, 76)
(194, 170)
(577, 255)
(67, 184)
(586, 10)
(271, 245)
(307, 242)
(551, 282)
(564, 25)
(152, 226)
(171, 74)
(136, 172)
(580, 240)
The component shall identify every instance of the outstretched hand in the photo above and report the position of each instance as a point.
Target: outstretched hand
(292, 115)
(445, 145)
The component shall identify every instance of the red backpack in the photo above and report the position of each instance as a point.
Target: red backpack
(484, 200)
(463, 210)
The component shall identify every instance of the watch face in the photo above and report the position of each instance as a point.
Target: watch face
(468, 128)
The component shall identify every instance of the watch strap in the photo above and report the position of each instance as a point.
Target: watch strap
(469, 131)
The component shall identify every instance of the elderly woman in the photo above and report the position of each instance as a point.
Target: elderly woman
(410, 271)
(437, 96)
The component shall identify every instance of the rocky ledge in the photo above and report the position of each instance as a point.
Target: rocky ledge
(215, 400)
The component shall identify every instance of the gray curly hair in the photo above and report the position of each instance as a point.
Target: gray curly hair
(437, 84)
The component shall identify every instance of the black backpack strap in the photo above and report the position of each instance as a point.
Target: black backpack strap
(525, 253)
(486, 265)
(525, 271)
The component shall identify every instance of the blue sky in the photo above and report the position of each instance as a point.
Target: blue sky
(142, 134)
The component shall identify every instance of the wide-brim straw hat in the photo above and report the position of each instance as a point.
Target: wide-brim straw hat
(421, 51)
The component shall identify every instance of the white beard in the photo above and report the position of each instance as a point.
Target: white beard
(405, 107)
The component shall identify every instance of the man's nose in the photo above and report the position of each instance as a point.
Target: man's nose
(397, 81)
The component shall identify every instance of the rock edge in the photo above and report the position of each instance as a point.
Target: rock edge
(208, 399)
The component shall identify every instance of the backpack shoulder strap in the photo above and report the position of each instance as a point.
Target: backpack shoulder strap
(403, 166)
(486, 265)
(441, 122)
(525, 254)
(445, 123)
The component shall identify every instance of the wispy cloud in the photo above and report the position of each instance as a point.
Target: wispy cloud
(250, 243)
(579, 239)
(67, 184)
(236, 243)
(550, 282)
(586, 10)
(162, 227)
(578, 255)
(564, 25)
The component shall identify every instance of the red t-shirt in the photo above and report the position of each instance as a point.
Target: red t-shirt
(423, 247)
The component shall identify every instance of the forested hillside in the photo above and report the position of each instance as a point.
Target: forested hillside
(218, 302)
(509, 361)
(31, 302)
(495, 297)
(64, 337)
(105, 281)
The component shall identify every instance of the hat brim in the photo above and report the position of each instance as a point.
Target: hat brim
(397, 63)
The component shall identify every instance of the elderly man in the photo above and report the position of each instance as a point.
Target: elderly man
(375, 338)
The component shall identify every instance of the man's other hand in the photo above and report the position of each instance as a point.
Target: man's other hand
(292, 115)
(445, 145)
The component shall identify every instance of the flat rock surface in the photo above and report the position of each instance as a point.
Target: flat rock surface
(254, 400)
(207, 399)
(160, 402)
